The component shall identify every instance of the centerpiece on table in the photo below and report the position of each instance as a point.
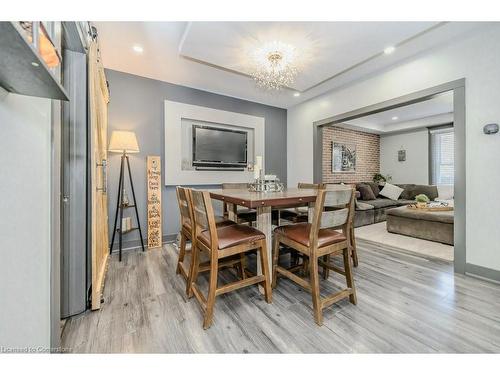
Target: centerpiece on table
(422, 200)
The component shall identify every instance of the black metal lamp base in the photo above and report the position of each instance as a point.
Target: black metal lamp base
(120, 207)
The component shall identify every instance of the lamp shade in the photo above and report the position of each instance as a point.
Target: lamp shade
(123, 141)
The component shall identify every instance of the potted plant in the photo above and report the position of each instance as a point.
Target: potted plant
(422, 200)
(381, 179)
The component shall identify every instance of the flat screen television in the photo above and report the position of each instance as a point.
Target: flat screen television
(219, 147)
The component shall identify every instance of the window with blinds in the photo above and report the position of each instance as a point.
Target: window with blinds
(442, 142)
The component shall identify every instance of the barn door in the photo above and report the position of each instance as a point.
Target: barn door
(98, 102)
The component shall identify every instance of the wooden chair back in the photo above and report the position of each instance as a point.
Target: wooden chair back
(307, 185)
(341, 199)
(203, 213)
(185, 207)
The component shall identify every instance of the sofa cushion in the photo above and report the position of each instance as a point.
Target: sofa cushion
(381, 203)
(362, 218)
(407, 192)
(391, 191)
(430, 190)
(366, 192)
(375, 188)
(362, 206)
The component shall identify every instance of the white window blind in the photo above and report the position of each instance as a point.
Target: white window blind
(442, 142)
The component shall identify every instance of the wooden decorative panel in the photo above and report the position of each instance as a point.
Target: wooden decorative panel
(154, 201)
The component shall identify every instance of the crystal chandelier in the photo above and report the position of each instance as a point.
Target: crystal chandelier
(274, 65)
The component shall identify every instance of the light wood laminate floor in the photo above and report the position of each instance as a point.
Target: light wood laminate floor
(405, 304)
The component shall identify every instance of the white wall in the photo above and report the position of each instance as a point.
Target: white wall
(415, 170)
(477, 58)
(25, 147)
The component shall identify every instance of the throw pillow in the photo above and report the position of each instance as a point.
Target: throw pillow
(375, 188)
(366, 192)
(391, 191)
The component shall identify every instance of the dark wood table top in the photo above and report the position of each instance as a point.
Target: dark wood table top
(251, 199)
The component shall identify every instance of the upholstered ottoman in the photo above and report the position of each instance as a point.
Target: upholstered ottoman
(434, 226)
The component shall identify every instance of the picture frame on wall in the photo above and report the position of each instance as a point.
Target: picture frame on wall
(402, 155)
(343, 157)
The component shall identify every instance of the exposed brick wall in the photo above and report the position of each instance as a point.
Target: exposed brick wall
(367, 155)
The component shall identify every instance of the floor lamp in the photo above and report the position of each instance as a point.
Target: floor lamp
(124, 142)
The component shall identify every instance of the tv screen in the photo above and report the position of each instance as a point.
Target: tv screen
(219, 147)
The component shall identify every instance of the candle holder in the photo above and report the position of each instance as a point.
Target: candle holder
(266, 184)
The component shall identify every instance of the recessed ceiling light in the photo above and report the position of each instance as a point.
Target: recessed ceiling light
(138, 49)
(35, 64)
(296, 94)
(389, 50)
(394, 118)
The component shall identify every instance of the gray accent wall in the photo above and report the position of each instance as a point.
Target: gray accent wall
(137, 104)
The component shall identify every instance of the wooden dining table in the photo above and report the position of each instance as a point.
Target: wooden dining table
(264, 203)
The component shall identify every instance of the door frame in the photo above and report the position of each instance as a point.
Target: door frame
(458, 88)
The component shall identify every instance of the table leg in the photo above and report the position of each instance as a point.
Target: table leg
(264, 222)
(231, 212)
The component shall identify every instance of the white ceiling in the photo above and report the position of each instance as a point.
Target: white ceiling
(325, 48)
(435, 111)
(212, 56)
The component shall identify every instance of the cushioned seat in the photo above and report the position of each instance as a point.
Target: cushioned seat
(361, 206)
(435, 216)
(381, 202)
(232, 235)
(219, 221)
(300, 233)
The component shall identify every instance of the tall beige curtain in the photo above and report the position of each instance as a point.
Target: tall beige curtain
(98, 103)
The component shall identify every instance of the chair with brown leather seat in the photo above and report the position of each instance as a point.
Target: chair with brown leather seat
(220, 243)
(187, 234)
(299, 214)
(319, 243)
(354, 249)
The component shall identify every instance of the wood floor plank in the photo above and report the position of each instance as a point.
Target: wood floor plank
(406, 304)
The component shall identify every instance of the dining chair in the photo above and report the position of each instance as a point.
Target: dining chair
(187, 234)
(354, 249)
(220, 243)
(299, 214)
(319, 243)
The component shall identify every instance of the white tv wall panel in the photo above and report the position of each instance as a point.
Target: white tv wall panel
(179, 118)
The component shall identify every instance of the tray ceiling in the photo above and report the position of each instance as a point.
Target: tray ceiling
(324, 49)
(213, 56)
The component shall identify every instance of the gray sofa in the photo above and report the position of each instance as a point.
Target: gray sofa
(374, 210)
